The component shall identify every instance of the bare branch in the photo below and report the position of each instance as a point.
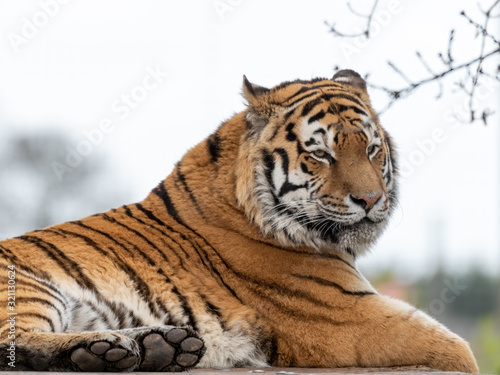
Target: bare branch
(365, 32)
(448, 61)
(472, 70)
(395, 94)
(431, 72)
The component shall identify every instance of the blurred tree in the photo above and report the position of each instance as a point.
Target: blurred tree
(472, 296)
(40, 198)
(488, 346)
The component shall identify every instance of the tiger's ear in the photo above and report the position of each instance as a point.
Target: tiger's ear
(253, 92)
(351, 78)
(258, 110)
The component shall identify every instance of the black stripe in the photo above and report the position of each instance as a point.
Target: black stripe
(309, 106)
(62, 260)
(214, 147)
(40, 286)
(38, 316)
(310, 142)
(42, 301)
(287, 185)
(187, 310)
(290, 136)
(321, 281)
(344, 108)
(298, 92)
(3, 332)
(302, 82)
(137, 322)
(285, 161)
(216, 312)
(315, 92)
(90, 325)
(337, 109)
(188, 190)
(138, 234)
(109, 237)
(149, 296)
(268, 160)
(272, 352)
(275, 133)
(51, 288)
(33, 288)
(288, 114)
(283, 291)
(304, 89)
(259, 284)
(142, 286)
(318, 255)
(129, 213)
(350, 252)
(123, 315)
(305, 170)
(161, 192)
(336, 138)
(343, 95)
(318, 116)
(162, 224)
(211, 308)
(10, 255)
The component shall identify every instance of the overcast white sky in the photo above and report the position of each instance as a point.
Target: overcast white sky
(71, 73)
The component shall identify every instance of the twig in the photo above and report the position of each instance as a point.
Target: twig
(401, 93)
(473, 69)
(481, 59)
(365, 32)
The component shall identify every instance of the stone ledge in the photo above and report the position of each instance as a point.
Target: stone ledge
(407, 370)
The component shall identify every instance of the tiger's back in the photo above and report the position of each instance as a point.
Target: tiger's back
(244, 255)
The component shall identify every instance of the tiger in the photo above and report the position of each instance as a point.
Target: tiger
(244, 256)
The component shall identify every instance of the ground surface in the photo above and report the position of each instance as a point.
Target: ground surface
(284, 371)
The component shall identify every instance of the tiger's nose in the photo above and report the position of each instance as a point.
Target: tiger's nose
(366, 201)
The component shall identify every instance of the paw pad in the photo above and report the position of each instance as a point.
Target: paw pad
(103, 355)
(171, 351)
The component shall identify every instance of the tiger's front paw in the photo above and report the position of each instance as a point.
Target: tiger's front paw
(106, 354)
(169, 350)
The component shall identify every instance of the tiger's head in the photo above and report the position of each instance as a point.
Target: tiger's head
(315, 167)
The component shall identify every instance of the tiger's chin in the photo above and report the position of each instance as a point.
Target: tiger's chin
(355, 239)
(361, 236)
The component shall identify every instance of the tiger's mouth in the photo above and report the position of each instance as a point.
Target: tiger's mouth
(331, 230)
(365, 220)
(311, 223)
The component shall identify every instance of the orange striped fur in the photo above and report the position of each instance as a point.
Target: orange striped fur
(250, 243)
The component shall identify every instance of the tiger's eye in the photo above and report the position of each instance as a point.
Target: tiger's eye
(319, 153)
(370, 149)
